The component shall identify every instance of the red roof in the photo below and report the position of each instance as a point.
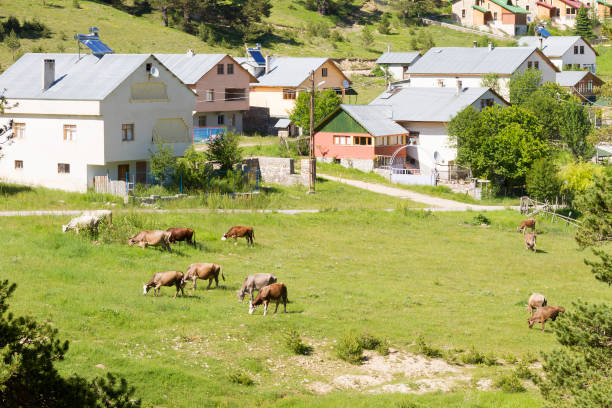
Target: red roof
(574, 4)
(548, 6)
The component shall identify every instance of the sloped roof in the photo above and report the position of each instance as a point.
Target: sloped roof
(554, 46)
(507, 4)
(467, 60)
(190, 68)
(375, 119)
(87, 78)
(605, 3)
(570, 78)
(287, 71)
(428, 104)
(574, 4)
(398, 58)
(482, 10)
(548, 6)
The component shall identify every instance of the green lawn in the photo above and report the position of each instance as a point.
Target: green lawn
(396, 274)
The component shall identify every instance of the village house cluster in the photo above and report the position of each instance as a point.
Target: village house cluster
(78, 116)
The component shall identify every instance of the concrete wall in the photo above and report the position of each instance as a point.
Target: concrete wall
(279, 170)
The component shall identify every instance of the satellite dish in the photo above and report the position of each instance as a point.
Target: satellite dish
(436, 156)
(345, 84)
(154, 72)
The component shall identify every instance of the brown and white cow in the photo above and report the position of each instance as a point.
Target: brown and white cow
(203, 271)
(276, 292)
(535, 300)
(239, 231)
(542, 314)
(167, 278)
(182, 234)
(530, 223)
(255, 282)
(151, 238)
(530, 241)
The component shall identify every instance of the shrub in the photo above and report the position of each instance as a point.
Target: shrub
(378, 71)
(523, 371)
(336, 36)
(510, 383)
(240, 377)
(474, 356)
(426, 349)
(481, 219)
(369, 342)
(349, 349)
(295, 344)
(225, 150)
(542, 180)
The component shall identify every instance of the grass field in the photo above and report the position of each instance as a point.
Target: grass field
(395, 274)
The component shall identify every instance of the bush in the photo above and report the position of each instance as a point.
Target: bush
(240, 377)
(481, 219)
(295, 344)
(542, 180)
(473, 356)
(224, 149)
(349, 349)
(336, 36)
(523, 371)
(426, 349)
(510, 383)
(369, 342)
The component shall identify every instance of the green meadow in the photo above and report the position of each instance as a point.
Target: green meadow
(397, 275)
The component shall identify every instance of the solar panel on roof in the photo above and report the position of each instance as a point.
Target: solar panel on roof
(543, 32)
(257, 56)
(93, 42)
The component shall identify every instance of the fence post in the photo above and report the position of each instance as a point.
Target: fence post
(181, 183)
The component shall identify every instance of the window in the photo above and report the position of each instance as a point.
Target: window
(568, 67)
(63, 168)
(536, 64)
(362, 140)
(495, 15)
(221, 120)
(342, 140)
(18, 164)
(210, 95)
(441, 83)
(486, 102)
(230, 69)
(529, 64)
(582, 49)
(202, 121)
(413, 138)
(527, 8)
(590, 85)
(18, 130)
(288, 93)
(323, 72)
(233, 120)
(235, 94)
(127, 132)
(576, 66)
(220, 69)
(69, 132)
(463, 13)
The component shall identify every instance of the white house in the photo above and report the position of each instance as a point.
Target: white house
(84, 116)
(443, 66)
(566, 52)
(397, 63)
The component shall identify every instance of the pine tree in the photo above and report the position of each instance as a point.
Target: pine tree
(366, 36)
(584, 26)
(13, 43)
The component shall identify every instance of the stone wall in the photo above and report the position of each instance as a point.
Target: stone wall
(279, 170)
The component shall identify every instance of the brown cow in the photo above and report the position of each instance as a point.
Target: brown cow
(530, 223)
(542, 314)
(182, 234)
(203, 271)
(535, 300)
(167, 278)
(530, 241)
(275, 292)
(239, 232)
(151, 238)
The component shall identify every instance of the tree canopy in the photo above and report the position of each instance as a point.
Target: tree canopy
(225, 150)
(325, 103)
(523, 84)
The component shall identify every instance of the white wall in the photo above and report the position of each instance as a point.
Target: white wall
(588, 58)
(396, 71)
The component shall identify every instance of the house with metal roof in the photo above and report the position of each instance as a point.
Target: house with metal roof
(580, 83)
(78, 116)
(497, 16)
(221, 86)
(280, 79)
(409, 124)
(442, 66)
(566, 52)
(397, 63)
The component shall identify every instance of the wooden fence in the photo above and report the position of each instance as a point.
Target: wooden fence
(105, 185)
(532, 207)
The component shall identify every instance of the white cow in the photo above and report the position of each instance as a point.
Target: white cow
(86, 221)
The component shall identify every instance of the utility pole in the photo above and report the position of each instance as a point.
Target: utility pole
(312, 162)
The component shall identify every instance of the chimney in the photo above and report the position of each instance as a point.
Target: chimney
(541, 43)
(490, 46)
(48, 76)
(267, 64)
(475, 44)
(388, 47)
(459, 86)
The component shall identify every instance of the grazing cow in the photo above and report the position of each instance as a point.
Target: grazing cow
(167, 278)
(182, 234)
(203, 271)
(255, 282)
(530, 223)
(542, 314)
(108, 214)
(535, 300)
(151, 238)
(239, 232)
(530, 241)
(276, 292)
(85, 221)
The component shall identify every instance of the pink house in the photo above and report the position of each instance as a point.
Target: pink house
(221, 85)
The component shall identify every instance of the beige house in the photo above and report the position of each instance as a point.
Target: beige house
(497, 16)
(221, 86)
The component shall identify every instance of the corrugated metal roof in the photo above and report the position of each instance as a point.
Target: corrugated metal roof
(283, 123)
(570, 78)
(554, 46)
(286, 71)
(398, 58)
(190, 68)
(465, 60)
(375, 119)
(428, 104)
(87, 78)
